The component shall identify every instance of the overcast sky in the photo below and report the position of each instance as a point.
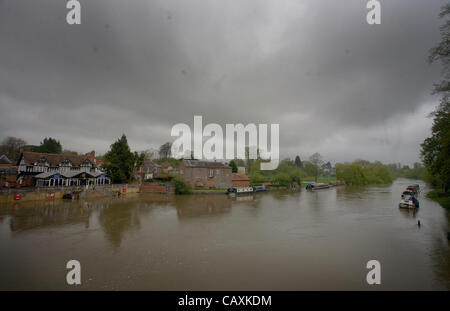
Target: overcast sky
(335, 84)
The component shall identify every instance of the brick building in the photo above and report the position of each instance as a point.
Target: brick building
(148, 170)
(205, 174)
(240, 180)
(168, 169)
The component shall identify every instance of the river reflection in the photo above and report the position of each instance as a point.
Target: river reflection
(202, 206)
(38, 215)
(267, 241)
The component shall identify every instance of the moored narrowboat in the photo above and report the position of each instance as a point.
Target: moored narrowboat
(259, 188)
(317, 186)
(240, 190)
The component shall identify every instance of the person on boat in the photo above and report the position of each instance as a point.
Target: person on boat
(415, 202)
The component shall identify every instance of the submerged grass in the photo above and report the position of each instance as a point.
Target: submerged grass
(438, 195)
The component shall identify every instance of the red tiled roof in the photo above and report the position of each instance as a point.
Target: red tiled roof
(239, 176)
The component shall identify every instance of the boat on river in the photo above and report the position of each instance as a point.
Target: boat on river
(259, 188)
(317, 186)
(408, 200)
(240, 190)
(415, 188)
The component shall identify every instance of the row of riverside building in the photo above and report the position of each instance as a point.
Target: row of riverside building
(35, 169)
(198, 174)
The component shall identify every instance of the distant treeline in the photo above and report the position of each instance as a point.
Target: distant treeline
(416, 172)
(364, 173)
(359, 172)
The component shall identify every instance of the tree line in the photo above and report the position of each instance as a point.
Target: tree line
(12, 147)
(435, 149)
(119, 163)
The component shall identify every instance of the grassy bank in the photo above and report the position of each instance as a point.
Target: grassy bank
(325, 180)
(438, 195)
(208, 191)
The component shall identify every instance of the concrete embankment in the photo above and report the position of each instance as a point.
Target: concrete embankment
(54, 193)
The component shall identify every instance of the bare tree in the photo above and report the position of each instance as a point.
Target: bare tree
(164, 150)
(317, 162)
(150, 154)
(12, 147)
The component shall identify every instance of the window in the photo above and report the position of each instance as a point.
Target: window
(211, 173)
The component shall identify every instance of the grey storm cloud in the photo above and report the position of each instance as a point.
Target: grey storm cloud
(335, 84)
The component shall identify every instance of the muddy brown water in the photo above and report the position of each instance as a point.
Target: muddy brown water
(270, 241)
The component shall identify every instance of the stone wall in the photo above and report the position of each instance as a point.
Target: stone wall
(38, 194)
(156, 187)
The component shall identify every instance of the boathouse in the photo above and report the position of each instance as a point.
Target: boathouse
(52, 179)
(51, 170)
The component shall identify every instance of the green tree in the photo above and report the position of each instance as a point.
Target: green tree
(180, 186)
(50, 145)
(286, 179)
(351, 173)
(309, 169)
(139, 159)
(364, 173)
(317, 162)
(286, 166)
(298, 162)
(295, 177)
(233, 165)
(436, 149)
(256, 179)
(120, 160)
(281, 179)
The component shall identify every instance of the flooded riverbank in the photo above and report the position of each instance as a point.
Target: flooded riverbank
(271, 241)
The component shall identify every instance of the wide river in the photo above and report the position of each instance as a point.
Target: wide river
(270, 241)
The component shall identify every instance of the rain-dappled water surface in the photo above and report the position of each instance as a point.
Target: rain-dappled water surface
(272, 241)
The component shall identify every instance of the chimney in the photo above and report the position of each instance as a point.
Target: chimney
(92, 156)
